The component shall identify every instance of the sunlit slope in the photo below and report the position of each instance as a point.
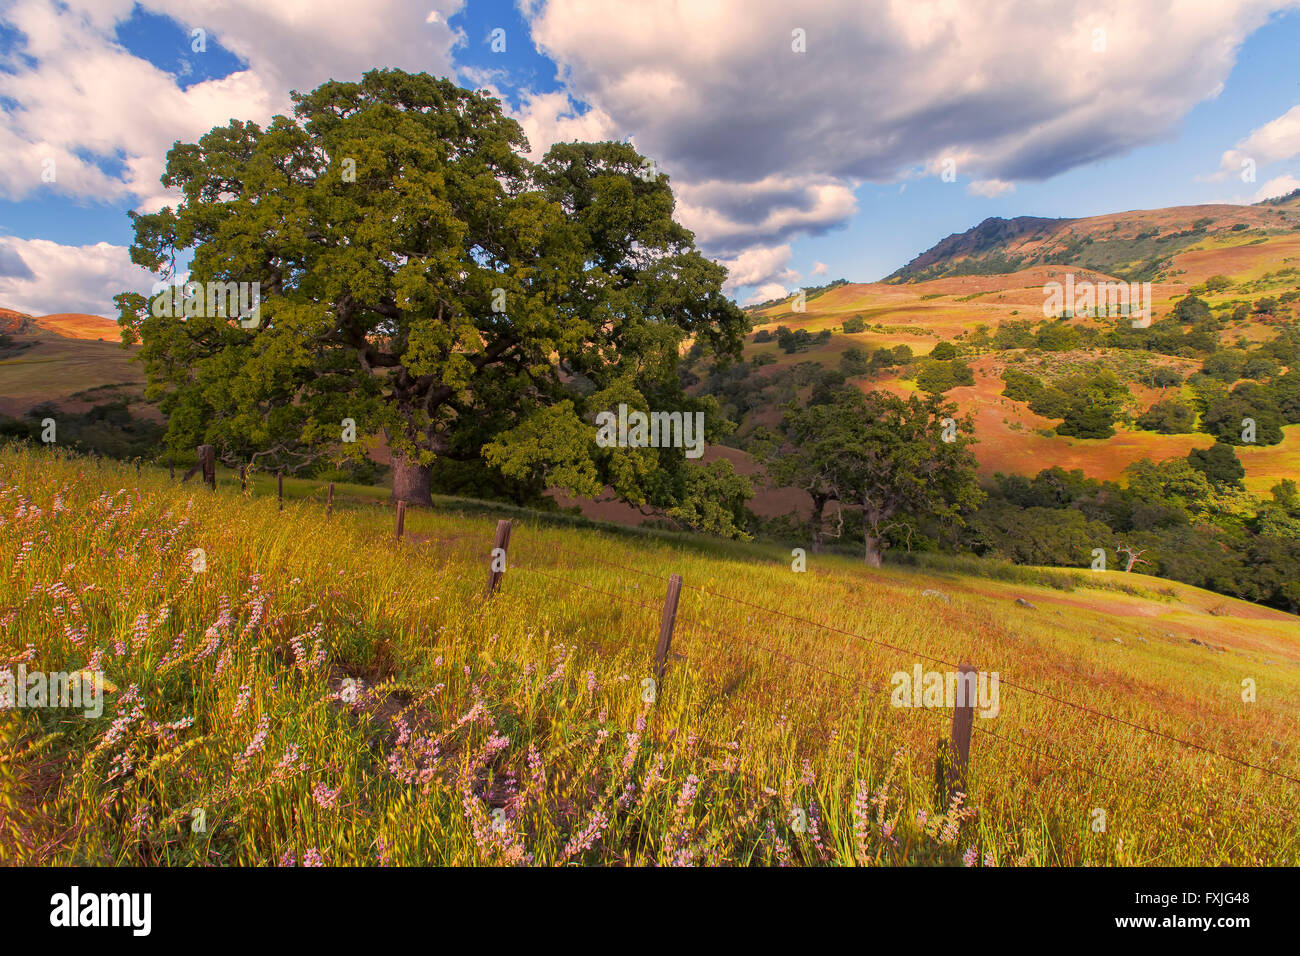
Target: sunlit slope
(1118, 692)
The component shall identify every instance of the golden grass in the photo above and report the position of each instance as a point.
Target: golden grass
(361, 702)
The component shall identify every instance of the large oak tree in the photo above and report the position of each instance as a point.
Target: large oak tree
(420, 276)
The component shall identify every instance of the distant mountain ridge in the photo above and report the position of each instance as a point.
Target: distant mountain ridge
(1134, 245)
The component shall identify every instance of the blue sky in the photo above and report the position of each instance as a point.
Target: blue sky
(793, 166)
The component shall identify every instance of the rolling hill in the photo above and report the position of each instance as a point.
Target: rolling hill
(1137, 245)
(995, 273)
(312, 661)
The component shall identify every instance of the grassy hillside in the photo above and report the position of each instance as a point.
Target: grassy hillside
(322, 692)
(1138, 245)
(1248, 263)
(45, 366)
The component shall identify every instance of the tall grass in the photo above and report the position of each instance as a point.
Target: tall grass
(323, 694)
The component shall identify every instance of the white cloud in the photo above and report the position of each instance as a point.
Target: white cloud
(1276, 140)
(550, 118)
(764, 293)
(758, 266)
(67, 278)
(87, 97)
(990, 188)
(727, 217)
(1278, 186)
(819, 268)
(1010, 91)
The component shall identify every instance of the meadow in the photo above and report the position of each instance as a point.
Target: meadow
(314, 692)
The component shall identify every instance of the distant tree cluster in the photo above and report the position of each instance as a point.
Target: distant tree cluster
(1088, 404)
(799, 340)
(1188, 515)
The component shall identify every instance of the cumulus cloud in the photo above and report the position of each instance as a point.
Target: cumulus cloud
(727, 217)
(1276, 140)
(762, 265)
(767, 292)
(550, 118)
(81, 104)
(990, 188)
(62, 278)
(1010, 91)
(819, 269)
(1278, 186)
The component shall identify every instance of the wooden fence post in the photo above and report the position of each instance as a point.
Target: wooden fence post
(171, 467)
(208, 463)
(666, 629)
(243, 479)
(279, 488)
(497, 560)
(401, 518)
(329, 501)
(954, 754)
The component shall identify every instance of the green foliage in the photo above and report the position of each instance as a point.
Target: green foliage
(1157, 376)
(1013, 335)
(1225, 414)
(1224, 365)
(1040, 535)
(855, 361)
(882, 454)
(107, 429)
(1170, 417)
(1093, 404)
(943, 351)
(1191, 310)
(854, 323)
(1021, 386)
(1219, 463)
(799, 340)
(1057, 337)
(1196, 527)
(937, 377)
(431, 297)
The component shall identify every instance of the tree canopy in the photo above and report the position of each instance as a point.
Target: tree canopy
(420, 276)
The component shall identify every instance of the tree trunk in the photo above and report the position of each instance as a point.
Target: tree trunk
(872, 550)
(819, 505)
(411, 482)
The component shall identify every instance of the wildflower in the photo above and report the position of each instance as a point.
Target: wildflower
(861, 811)
(326, 798)
(970, 856)
(584, 839)
(257, 744)
(312, 858)
(688, 793)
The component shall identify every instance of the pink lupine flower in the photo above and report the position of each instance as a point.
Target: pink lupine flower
(688, 793)
(257, 744)
(326, 798)
(970, 856)
(582, 841)
(861, 817)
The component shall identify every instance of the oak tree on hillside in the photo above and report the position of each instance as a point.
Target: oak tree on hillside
(901, 462)
(421, 277)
